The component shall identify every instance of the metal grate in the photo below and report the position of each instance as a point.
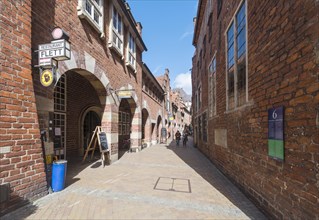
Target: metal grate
(173, 184)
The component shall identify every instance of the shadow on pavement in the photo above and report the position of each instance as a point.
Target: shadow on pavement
(75, 166)
(18, 203)
(195, 159)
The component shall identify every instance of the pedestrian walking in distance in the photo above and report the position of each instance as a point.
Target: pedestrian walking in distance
(177, 137)
(185, 139)
(185, 136)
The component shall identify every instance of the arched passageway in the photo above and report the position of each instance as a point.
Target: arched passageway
(126, 112)
(77, 111)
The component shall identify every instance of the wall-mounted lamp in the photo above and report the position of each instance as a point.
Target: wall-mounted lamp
(57, 33)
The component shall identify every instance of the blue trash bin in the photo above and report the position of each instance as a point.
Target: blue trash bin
(58, 175)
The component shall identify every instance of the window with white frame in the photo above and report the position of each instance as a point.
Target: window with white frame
(92, 11)
(116, 31)
(236, 73)
(59, 115)
(212, 87)
(131, 52)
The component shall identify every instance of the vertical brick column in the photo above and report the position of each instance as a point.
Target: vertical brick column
(136, 130)
(148, 127)
(110, 125)
(22, 175)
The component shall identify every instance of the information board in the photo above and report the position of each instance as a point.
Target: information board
(276, 132)
(103, 141)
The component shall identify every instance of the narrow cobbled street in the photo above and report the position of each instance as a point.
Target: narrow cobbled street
(161, 182)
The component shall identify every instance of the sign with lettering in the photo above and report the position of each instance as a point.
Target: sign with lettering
(103, 141)
(124, 94)
(276, 132)
(58, 50)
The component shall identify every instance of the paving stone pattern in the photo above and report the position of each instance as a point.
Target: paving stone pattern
(161, 182)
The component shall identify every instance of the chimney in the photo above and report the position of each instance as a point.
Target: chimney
(167, 71)
(194, 21)
(127, 6)
(139, 28)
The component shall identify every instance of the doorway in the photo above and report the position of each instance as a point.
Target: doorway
(91, 120)
(125, 124)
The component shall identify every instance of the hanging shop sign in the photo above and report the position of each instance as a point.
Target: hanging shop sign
(49, 54)
(124, 94)
(170, 117)
(46, 77)
(57, 49)
(276, 133)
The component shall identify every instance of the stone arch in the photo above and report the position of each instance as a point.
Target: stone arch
(88, 67)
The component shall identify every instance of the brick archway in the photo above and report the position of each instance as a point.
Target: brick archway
(88, 67)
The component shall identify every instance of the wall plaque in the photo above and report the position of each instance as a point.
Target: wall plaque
(276, 132)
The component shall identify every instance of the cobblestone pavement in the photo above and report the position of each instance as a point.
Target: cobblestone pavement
(160, 182)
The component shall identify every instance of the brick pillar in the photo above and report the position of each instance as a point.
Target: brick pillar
(110, 126)
(136, 129)
(22, 175)
(148, 127)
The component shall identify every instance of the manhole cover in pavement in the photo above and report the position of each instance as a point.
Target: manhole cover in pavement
(173, 184)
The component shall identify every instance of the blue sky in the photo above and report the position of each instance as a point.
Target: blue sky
(168, 33)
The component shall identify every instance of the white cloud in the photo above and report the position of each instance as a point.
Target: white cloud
(157, 69)
(184, 81)
(185, 35)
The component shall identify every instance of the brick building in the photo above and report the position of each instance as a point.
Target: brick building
(165, 82)
(21, 162)
(152, 108)
(180, 112)
(100, 85)
(254, 58)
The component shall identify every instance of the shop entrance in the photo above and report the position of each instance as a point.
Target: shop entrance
(77, 112)
(125, 125)
(91, 120)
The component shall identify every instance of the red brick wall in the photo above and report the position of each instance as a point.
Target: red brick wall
(153, 108)
(283, 71)
(23, 166)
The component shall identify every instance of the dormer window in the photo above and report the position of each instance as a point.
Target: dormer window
(92, 11)
(131, 52)
(116, 31)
